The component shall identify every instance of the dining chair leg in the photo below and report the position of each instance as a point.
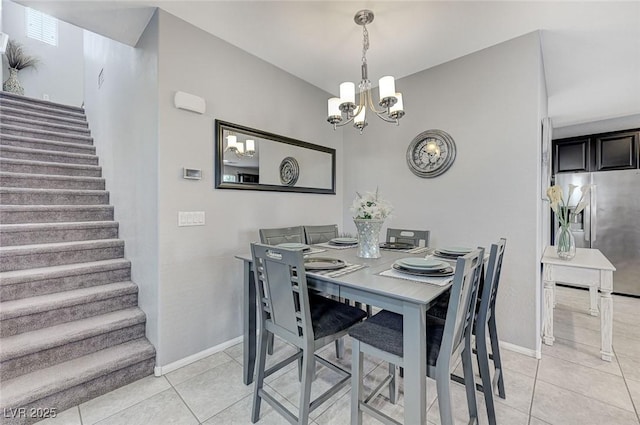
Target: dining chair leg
(443, 386)
(485, 375)
(339, 348)
(393, 384)
(357, 387)
(259, 375)
(470, 383)
(497, 359)
(308, 368)
(270, 345)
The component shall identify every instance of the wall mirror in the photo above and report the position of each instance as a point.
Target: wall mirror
(247, 158)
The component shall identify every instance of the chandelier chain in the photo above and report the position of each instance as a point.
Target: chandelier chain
(365, 43)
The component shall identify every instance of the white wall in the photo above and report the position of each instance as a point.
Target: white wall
(59, 73)
(200, 295)
(489, 102)
(600, 126)
(123, 117)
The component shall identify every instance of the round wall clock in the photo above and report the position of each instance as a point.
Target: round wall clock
(431, 153)
(289, 171)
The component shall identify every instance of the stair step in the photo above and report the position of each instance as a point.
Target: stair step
(43, 144)
(48, 168)
(46, 255)
(36, 181)
(16, 214)
(56, 136)
(18, 284)
(26, 352)
(18, 112)
(29, 314)
(26, 196)
(44, 106)
(39, 233)
(30, 123)
(31, 154)
(40, 181)
(76, 381)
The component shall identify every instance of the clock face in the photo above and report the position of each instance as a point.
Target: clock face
(431, 153)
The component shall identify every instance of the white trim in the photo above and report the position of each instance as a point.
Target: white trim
(163, 370)
(521, 350)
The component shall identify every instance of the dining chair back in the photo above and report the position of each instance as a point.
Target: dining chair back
(413, 237)
(486, 320)
(382, 335)
(320, 234)
(302, 318)
(280, 235)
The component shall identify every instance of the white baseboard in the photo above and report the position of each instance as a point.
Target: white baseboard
(163, 370)
(521, 350)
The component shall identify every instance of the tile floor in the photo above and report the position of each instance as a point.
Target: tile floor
(569, 385)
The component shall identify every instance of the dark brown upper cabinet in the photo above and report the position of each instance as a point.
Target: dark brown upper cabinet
(618, 151)
(597, 152)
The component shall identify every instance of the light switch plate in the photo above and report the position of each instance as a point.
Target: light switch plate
(191, 218)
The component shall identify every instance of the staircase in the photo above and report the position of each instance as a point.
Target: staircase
(70, 326)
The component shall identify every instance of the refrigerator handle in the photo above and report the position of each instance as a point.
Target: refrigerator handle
(594, 214)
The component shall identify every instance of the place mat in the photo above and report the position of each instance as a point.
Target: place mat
(340, 272)
(314, 250)
(331, 246)
(439, 281)
(416, 250)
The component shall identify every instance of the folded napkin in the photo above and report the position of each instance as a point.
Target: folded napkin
(339, 272)
(434, 280)
(332, 246)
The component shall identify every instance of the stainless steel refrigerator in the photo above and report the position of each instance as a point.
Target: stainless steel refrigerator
(610, 222)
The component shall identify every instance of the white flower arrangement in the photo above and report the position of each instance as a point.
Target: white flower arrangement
(561, 207)
(370, 206)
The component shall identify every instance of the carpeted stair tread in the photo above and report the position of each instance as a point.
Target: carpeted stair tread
(40, 181)
(36, 385)
(42, 117)
(54, 213)
(49, 168)
(31, 233)
(49, 108)
(22, 227)
(8, 129)
(28, 123)
(32, 196)
(41, 273)
(46, 144)
(58, 300)
(55, 336)
(7, 96)
(56, 156)
(57, 247)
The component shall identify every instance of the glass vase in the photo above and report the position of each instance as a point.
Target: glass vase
(368, 237)
(565, 243)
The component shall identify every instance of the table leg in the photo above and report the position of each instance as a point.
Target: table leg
(415, 364)
(249, 323)
(549, 302)
(593, 300)
(606, 314)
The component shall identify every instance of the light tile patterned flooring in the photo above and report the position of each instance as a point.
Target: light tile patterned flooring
(569, 385)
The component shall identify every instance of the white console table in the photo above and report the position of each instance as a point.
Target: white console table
(588, 268)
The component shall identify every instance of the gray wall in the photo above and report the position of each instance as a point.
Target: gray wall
(60, 72)
(123, 117)
(601, 126)
(490, 103)
(200, 280)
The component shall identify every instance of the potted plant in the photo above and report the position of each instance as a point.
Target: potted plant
(17, 60)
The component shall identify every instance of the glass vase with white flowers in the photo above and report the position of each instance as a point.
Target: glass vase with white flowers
(369, 212)
(565, 212)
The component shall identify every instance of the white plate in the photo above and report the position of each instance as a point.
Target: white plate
(417, 263)
(293, 245)
(455, 250)
(344, 241)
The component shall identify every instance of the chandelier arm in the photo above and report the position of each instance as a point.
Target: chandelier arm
(371, 105)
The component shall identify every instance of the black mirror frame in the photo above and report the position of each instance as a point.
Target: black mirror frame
(220, 126)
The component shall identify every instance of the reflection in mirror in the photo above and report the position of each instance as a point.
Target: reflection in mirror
(252, 159)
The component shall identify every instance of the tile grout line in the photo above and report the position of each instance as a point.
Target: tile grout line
(182, 399)
(627, 387)
(533, 391)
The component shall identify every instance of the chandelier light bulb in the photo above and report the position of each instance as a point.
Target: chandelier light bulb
(347, 92)
(334, 107)
(250, 145)
(387, 87)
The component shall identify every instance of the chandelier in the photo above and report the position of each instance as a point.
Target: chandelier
(246, 149)
(344, 107)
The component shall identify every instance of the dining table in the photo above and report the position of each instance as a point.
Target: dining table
(365, 285)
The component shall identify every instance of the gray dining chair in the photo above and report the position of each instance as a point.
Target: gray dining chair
(485, 321)
(308, 321)
(320, 234)
(382, 336)
(280, 235)
(414, 237)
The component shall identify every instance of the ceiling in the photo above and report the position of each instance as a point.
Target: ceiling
(591, 50)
